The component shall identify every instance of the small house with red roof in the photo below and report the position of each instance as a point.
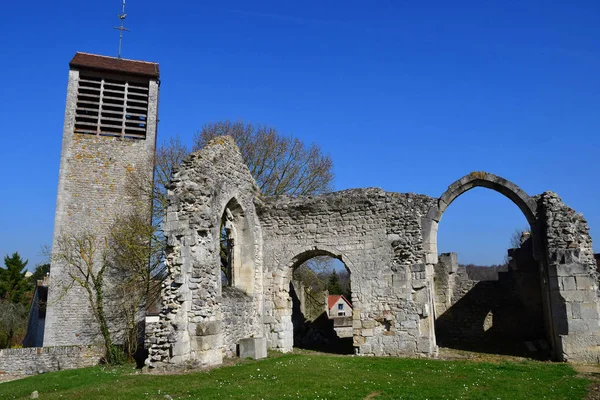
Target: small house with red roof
(338, 306)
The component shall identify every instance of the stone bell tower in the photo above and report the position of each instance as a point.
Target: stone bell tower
(109, 132)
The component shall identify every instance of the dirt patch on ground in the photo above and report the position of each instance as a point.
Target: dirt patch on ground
(454, 354)
(6, 378)
(592, 372)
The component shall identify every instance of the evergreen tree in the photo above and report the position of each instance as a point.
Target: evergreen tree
(333, 285)
(14, 286)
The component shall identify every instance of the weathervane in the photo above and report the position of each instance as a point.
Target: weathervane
(121, 28)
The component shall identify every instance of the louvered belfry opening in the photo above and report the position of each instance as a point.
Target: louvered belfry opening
(112, 106)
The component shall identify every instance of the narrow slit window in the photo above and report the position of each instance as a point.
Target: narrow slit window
(111, 107)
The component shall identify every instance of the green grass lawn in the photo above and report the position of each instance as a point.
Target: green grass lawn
(316, 377)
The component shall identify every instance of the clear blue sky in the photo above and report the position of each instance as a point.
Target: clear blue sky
(407, 96)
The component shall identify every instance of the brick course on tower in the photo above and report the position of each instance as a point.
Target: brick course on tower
(109, 132)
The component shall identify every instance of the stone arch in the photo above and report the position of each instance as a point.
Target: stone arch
(316, 251)
(527, 205)
(279, 329)
(518, 196)
(239, 232)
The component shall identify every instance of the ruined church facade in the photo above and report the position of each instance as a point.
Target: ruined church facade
(388, 241)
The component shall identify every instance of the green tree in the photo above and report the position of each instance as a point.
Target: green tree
(333, 285)
(14, 286)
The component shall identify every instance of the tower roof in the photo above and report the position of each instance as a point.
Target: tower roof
(105, 63)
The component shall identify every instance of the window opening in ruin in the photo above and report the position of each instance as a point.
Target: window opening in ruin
(320, 288)
(225, 247)
(488, 299)
(111, 106)
(236, 249)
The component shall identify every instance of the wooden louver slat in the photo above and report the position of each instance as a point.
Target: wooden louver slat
(108, 107)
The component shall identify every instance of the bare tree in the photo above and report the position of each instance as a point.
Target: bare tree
(84, 258)
(168, 157)
(13, 322)
(518, 237)
(144, 188)
(135, 252)
(137, 244)
(280, 164)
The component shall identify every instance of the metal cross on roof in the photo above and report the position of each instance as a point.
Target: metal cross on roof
(121, 28)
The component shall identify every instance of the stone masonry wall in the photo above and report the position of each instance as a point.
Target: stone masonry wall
(37, 360)
(573, 280)
(239, 319)
(492, 309)
(387, 241)
(378, 237)
(192, 326)
(92, 192)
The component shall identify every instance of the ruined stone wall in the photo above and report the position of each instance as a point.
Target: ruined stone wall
(192, 326)
(239, 319)
(92, 192)
(445, 268)
(573, 280)
(466, 277)
(37, 360)
(491, 310)
(388, 242)
(378, 237)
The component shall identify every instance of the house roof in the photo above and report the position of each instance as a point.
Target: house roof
(333, 298)
(105, 63)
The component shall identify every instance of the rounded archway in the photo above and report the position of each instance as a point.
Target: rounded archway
(321, 302)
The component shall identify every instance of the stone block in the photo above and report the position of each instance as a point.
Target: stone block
(366, 349)
(571, 269)
(206, 343)
(582, 326)
(431, 258)
(358, 340)
(568, 283)
(585, 283)
(369, 324)
(578, 295)
(399, 281)
(424, 345)
(419, 283)
(208, 328)
(255, 348)
(589, 310)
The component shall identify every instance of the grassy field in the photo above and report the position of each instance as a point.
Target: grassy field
(316, 377)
